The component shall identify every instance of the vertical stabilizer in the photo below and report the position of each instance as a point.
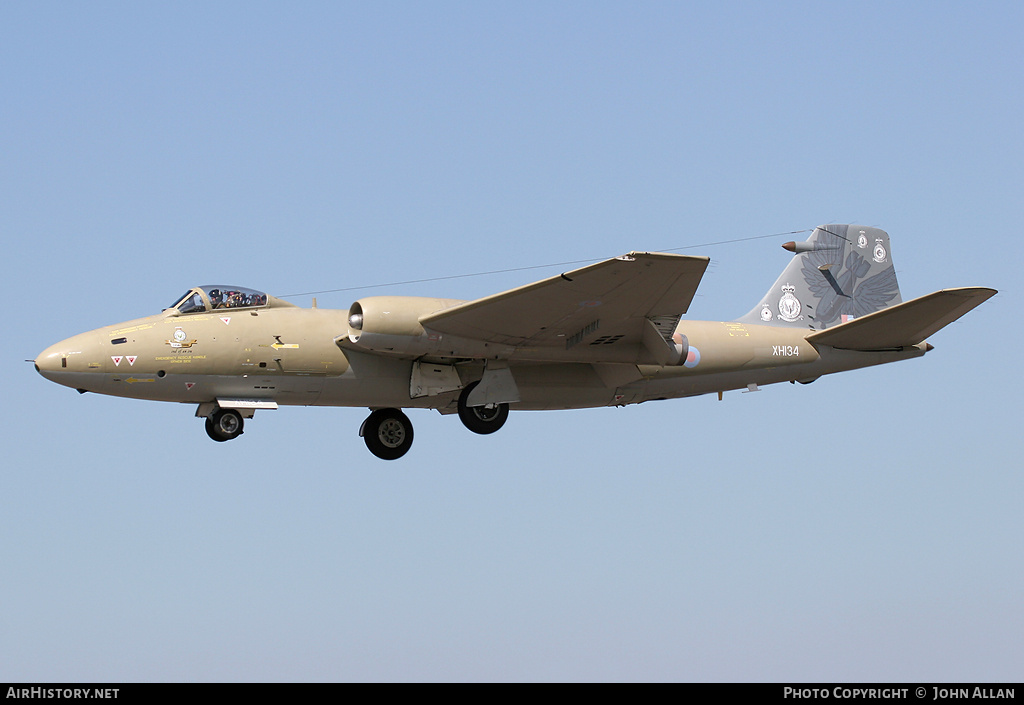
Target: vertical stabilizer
(840, 273)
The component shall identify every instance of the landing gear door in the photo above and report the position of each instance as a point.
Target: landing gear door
(428, 380)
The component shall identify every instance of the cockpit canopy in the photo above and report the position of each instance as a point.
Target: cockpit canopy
(215, 298)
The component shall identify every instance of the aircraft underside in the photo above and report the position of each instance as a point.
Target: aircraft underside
(227, 400)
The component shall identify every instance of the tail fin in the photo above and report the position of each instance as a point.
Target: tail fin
(840, 273)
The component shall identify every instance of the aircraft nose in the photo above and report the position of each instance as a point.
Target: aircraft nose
(51, 360)
(67, 360)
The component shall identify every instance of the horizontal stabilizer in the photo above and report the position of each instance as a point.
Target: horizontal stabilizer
(904, 324)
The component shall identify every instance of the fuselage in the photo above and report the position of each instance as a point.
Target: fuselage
(289, 355)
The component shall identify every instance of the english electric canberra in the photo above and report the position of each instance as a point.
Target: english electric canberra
(608, 334)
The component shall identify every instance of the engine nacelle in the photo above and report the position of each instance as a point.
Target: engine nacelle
(390, 325)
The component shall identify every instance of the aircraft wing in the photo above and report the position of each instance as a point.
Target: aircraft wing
(904, 324)
(620, 310)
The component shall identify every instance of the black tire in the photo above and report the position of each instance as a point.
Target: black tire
(388, 433)
(481, 419)
(224, 424)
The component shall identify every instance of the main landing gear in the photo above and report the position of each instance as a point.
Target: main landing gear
(224, 424)
(388, 432)
(481, 419)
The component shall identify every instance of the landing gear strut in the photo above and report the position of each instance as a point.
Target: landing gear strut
(481, 419)
(387, 433)
(224, 424)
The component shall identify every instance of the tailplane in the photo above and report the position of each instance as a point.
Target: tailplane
(840, 273)
(905, 324)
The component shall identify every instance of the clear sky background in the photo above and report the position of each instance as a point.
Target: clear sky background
(867, 527)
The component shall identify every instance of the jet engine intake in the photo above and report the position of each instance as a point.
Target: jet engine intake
(390, 325)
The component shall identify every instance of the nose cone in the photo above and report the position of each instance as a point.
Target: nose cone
(67, 361)
(49, 361)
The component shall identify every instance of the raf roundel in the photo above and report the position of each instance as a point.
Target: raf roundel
(692, 358)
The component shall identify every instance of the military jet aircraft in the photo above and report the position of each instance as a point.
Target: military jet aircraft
(608, 334)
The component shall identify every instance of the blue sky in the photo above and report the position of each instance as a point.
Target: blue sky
(866, 527)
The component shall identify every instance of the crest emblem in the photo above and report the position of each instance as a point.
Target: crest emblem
(181, 339)
(878, 254)
(862, 240)
(789, 304)
(766, 313)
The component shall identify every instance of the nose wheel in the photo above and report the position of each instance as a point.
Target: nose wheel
(387, 433)
(224, 424)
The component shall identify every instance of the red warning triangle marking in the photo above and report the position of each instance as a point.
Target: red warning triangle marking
(131, 359)
(227, 320)
(189, 385)
(116, 359)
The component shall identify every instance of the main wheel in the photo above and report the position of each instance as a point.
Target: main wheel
(224, 424)
(387, 433)
(481, 419)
